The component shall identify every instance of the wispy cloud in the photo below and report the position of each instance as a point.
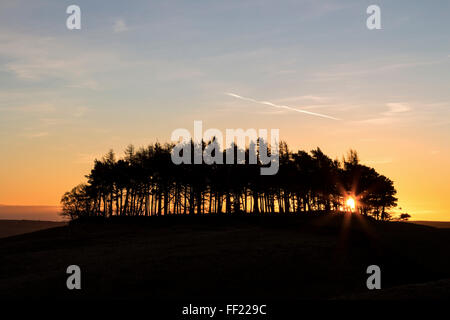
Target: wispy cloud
(88, 84)
(32, 135)
(120, 26)
(38, 59)
(396, 107)
(314, 98)
(80, 112)
(51, 121)
(86, 158)
(391, 115)
(267, 103)
(348, 70)
(38, 68)
(379, 161)
(39, 108)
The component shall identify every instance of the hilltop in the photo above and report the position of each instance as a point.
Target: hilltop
(225, 257)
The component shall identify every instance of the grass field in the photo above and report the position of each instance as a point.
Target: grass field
(10, 228)
(229, 257)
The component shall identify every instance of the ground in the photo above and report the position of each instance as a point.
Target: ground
(229, 257)
(10, 228)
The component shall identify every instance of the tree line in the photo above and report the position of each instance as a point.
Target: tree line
(146, 182)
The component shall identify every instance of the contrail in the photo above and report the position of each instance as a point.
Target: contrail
(280, 106)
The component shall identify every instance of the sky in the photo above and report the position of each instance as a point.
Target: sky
(138, 70)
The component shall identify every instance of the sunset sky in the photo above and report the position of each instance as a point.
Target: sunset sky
(138, 70)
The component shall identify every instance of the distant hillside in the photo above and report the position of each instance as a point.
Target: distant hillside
(41, 213)
(436, 224)
(14, 227)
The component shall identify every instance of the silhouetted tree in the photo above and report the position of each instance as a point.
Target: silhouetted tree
(146, 182)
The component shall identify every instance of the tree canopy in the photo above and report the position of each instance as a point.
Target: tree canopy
(146, 182)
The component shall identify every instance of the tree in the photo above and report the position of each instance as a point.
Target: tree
(77, 202)
(404, 217)
(146, 182)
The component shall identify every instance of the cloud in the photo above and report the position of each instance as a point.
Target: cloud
(51, 121)
(38, 68)
(120, 26)
(314, 98)
(280, 106)
(32, 135)
(36, 59)
(86, 158)
(379, 161)
(80, 112)
(88, 84)
(391, 115)
(343, 71)
(380, 121)
(33, 108)
(396, 107)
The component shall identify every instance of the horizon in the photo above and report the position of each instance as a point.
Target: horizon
(134, 73)
(54, 215)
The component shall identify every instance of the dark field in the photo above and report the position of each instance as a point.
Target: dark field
(228, 257)
(436, 224)
(10, 228)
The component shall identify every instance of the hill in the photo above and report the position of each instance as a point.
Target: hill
(10, 228)
(224, 257)
(44, 213)
(436, 224)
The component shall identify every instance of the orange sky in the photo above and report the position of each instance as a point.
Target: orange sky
(39, 172)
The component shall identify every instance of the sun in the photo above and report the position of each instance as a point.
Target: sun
(350, 203)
